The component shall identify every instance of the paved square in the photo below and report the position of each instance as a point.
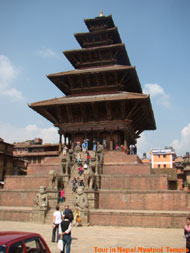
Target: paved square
(109, 239)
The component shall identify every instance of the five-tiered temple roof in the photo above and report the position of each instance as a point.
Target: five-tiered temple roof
(103, 92)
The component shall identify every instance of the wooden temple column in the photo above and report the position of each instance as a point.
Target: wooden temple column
(98, 138)
(125, 140)
(60, 132)
(72, 141)
(69, 141)
(111, 141)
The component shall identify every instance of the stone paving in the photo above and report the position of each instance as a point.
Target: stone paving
(96, 239)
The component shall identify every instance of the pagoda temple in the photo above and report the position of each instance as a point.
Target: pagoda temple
(102, 97)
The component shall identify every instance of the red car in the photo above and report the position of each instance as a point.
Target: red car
(22, 242)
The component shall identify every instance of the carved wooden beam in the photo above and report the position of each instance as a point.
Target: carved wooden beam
(59, 114)
(139, 121)
(108, 110)
(50, 116)
(66, 86)
(122, 109)
(83, 112)
(137, 114)
(125, 75)
(95, 80)
(95, 111)
(100, 55)
(133, 109)
(103, 74)
(70, 79)
(116, 77)
(138, 132)
(83, 79)
(141, 125)
(69, 113)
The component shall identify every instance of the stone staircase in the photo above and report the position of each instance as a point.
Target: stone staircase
(69, 194)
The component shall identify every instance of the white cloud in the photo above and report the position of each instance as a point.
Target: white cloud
(142, 145)
(13, 93)
(8, 74)
(155, 90)
(12, 134)
(47, 53)
(183, 144)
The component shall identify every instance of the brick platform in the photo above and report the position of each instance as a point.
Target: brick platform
(15, 213)
(138, 182)
(137, 218)
(18, 198)
(25, 182)
(144, 200)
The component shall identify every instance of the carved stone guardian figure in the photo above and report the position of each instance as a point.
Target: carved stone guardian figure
(89, 178)
(81, 200)
(64, 166)
(41, 198)
(52, 179)
(100, 158)
(41, 205)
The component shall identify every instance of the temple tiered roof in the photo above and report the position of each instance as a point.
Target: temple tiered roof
(98, 38)
(103, 92)
(98, 56)
(116, 77)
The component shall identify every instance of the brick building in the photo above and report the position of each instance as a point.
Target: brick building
(163, 158)
(34, 151)
(6, 159)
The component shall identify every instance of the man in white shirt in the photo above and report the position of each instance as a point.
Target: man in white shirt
(56, 221)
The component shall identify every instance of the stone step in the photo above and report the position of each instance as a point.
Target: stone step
(138, 218)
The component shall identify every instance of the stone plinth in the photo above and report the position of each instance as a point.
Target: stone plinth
(93, 199)
(84, 214)
(53, 197)
(38, 215)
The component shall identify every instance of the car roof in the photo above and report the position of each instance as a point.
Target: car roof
(8, 236)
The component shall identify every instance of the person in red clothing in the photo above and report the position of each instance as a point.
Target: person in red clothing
(80, 170)
(62, 195)
(187, 234)
(88, 158)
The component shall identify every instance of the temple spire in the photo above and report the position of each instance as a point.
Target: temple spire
(101, 13)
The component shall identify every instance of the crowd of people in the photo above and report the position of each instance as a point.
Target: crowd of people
(84, 145)
(61, 226)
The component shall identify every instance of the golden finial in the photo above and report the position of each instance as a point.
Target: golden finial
(101, 13)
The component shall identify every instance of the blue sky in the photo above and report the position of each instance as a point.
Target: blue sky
(34, 34)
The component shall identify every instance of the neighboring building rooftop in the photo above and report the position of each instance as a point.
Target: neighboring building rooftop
(166, 150)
